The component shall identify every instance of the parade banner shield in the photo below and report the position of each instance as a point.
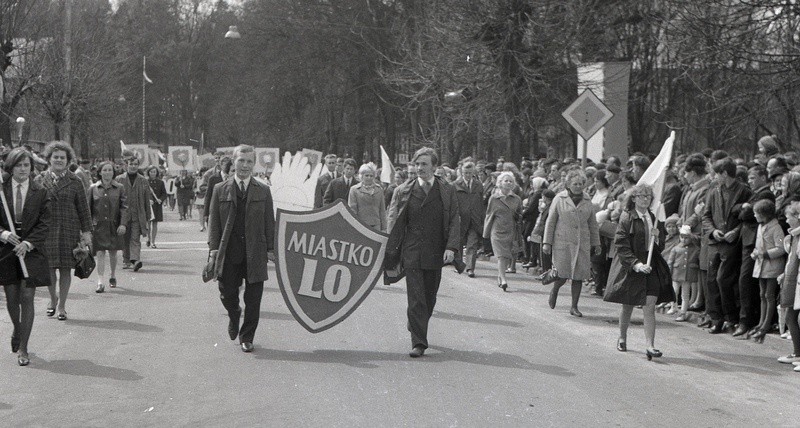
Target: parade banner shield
(327, 262)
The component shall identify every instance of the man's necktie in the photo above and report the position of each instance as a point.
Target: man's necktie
(426, 187)
(18, 205)
(241, 187)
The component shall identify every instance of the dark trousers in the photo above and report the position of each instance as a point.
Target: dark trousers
(232, 277)
(723, 280)
(749, 301)
(421, 288)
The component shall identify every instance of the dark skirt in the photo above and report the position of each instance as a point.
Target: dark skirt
(105, 237)
(11, 271)
(158, 212)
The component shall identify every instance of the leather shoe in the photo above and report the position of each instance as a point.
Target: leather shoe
(704, 323)
(247, 346)
(740, 331)
(14, 343)
(470, 273)
(716, 327)
(233, 329)
(417, 352)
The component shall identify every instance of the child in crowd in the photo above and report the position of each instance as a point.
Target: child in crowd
(770, 261)
(671, 241)
(788, 282)
(537, 234)
(685, 272)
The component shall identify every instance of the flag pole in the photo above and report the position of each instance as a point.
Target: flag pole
(144, 104)
(11, 227)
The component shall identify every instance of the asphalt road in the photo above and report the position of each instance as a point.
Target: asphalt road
(155, 352)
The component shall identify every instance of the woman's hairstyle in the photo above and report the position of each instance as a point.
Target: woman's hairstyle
(639, 189)
(627, 175)
(573, 174)
(14, 157)
(402, 174)
(792, 190)
(55, 146)
(765, 208)
(770, 145)
(366, 168)
(503, 175)
(601, 177)
(150, 168)
(100, 168)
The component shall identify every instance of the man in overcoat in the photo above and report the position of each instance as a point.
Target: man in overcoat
(241, 228)
(469, 192)
(424, 225)
(721, 217)
(138, 191)
(696, 175)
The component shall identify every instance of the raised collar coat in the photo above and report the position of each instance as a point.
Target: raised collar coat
(259, 228)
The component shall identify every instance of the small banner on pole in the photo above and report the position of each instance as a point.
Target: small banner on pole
(180, 158)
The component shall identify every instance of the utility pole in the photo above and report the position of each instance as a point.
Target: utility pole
(68, 70)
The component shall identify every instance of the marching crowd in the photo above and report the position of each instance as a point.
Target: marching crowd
(728, 250)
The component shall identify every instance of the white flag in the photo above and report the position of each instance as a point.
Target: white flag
(144, 70)
(656, 175)
(387, 169)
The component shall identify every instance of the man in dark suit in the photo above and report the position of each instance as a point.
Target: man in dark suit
(325, 177)
(722, 225)
(749, 299)
(213, 179)
(469, 192)
(240, 234)
(424, 225)
(339, 188)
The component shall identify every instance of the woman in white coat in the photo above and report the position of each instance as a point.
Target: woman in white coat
(572, 236)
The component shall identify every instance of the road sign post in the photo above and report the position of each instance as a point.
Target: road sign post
(587, 115)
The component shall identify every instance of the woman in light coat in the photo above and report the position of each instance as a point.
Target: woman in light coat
(502, 224)
(572, 236)
(367, 201)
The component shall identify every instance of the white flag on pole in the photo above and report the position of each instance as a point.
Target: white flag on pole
(656, 175)
(387, 169)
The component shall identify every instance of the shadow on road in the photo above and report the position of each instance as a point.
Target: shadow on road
(275, 316)
(84, 368)
(370, 359)
(714, 365)
(4, 406)
(116, 325)
(140, 293)
(480, 320)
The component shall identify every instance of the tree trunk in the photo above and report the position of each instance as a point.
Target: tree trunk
(5, 125)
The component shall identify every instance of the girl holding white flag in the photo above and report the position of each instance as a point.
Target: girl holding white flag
(632, 280)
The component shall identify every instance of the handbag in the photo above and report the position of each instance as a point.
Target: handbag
(85, 266)
(209, 272)
(548, 277)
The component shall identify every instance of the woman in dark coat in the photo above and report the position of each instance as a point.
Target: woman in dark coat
(109, 209)
(502, 224)
(30, 219)
(185, 193)
(632, 281)
(158, 194)
(70, 226)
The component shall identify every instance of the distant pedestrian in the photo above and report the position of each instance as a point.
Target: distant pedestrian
(184, 186)
(366, 199)
(108, 206)
(502, 224)
(137, 191)
(158, 195)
